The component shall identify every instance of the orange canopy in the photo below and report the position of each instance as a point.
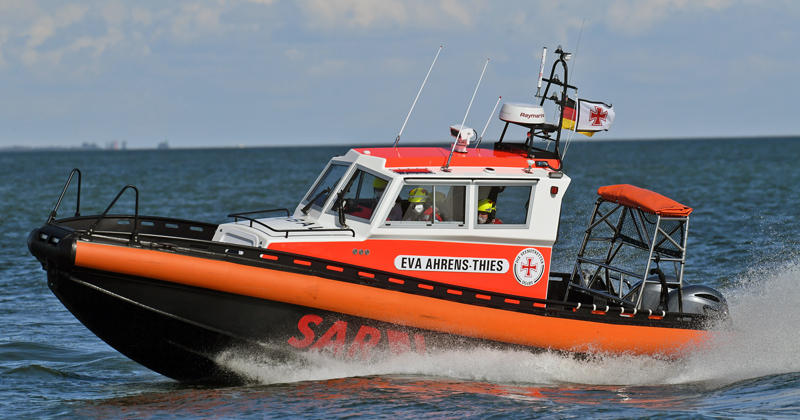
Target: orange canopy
(645, 200)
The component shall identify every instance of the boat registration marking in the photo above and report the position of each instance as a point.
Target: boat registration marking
(451, 264)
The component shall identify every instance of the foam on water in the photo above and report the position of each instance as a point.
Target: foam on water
(764, 341)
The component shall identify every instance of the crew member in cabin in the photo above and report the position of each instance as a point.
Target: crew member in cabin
(486, 212)
(419, 207)
(365, 211)
(440, 204)
(378, 187)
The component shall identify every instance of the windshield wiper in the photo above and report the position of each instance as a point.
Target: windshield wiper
(339, 205)
(314, 200)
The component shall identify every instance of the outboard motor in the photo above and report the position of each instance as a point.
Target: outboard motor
(699, 299)
(652, 295)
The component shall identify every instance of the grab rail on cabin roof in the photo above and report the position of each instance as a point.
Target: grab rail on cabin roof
(285, 232)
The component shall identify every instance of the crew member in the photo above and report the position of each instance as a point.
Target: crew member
(378, 187)
(419, 208)
(487, 212)
(365, 212)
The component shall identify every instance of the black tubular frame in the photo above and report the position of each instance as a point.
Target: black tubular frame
(63, 192)
(52, 217)
(544, 130)
(135, 233)
(651, 243)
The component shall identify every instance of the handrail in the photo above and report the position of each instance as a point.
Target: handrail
(286, 232)
(135, 234)
(610, 267)
(260, 211)
(63, 192)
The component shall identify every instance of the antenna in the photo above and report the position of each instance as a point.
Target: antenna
(577, 101)
(575, 56)
(487, 123)
(446, 167)
(415, 99)
(541, 72)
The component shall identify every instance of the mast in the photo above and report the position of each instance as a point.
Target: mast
(561, 99)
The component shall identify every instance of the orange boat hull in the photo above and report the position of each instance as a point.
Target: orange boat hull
(365, 301)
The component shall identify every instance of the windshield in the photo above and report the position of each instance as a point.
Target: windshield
(362, 194)
(323, 189)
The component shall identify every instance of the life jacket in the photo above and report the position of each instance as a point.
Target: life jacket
(426, 215)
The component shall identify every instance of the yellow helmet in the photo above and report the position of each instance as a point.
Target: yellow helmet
(379, 183)
(486, 205)
(418, 195)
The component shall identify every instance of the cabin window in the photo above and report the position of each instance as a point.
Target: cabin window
(502, 205)
(323, 189)
(428, 204)
(362, 194)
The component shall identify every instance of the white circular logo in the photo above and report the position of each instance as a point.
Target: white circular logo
(529, 266)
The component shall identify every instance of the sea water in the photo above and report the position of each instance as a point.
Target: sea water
(743, 240)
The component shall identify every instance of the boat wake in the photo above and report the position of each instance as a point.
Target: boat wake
(763, 342)
(765, 312)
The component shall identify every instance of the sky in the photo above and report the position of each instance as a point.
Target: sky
(239, 73)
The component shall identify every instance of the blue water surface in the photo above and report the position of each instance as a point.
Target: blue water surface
(743, 240)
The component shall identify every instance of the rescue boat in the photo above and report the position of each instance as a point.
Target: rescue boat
(392, 250)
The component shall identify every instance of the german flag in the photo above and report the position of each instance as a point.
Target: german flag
(571, 116)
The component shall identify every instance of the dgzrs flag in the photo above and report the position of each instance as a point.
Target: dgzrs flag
(591, 116)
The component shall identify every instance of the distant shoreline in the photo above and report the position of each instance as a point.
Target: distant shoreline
(95, 148)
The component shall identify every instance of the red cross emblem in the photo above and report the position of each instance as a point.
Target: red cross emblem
(529, 267)
(597, 115)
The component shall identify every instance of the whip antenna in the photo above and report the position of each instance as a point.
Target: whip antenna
(577, 101)
(446, 167)
(541, 72)
(415, 99)
(487, 123)
(575, 56)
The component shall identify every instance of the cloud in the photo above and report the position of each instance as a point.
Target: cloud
(3, 39)
(359, 14)
(52, 37)
(115, 13)
(398, 65)
(293, 54)
(196, 20)
(142, 16)
(635, 17)
(331, 68)
(353, 13)
(458, 12)
(46, 26)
